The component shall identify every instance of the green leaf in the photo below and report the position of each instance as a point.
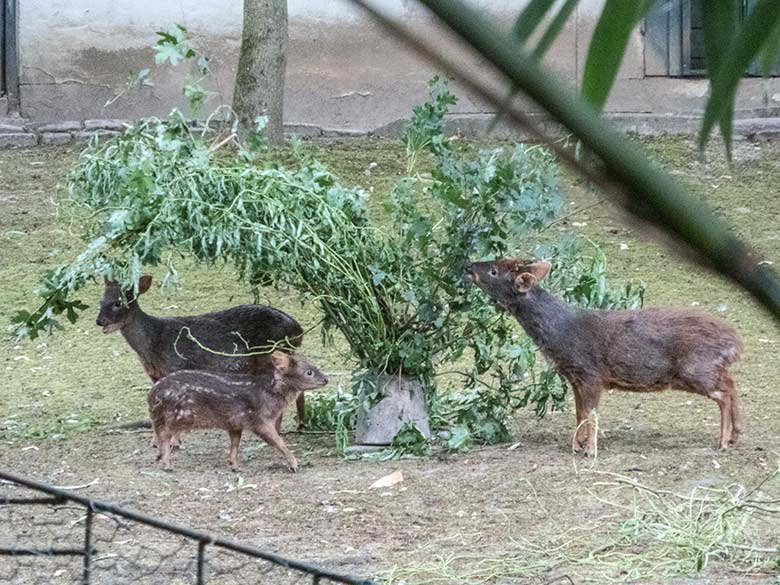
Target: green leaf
(607, 46)
(757, 30)
(770, 53)
(530, 18)
(547, 39)
(720, 25)
(173, 46)
(167, 52)
(461, 438)
(21, 317)
(141, 79)
(196, 95)
(555, 27)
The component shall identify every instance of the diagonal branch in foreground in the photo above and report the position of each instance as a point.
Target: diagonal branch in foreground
(643, 190)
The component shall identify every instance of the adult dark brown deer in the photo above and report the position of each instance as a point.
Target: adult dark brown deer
(645, 350)
(200, 342)
(196, 399)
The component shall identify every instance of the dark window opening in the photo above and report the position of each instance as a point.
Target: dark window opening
(693, 39)
(2, 46)
(674, 38)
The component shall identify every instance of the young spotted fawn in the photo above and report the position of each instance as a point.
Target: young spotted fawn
(196, 399)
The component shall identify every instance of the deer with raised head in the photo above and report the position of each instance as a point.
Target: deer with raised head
(645, 350)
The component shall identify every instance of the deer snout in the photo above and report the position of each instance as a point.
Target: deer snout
(101, 322)
(469, 275)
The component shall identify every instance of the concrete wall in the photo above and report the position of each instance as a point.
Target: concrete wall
(343, 71)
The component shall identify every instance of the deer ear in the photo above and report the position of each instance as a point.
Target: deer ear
(281, 361)
(106, 281)
(539, 269)
(525, 282)
(144, 283)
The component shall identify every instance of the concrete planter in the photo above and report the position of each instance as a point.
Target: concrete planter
(402, 401)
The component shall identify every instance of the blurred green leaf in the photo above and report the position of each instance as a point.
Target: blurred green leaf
(608, 45)
(769, 57)
(554, 29)
(757, 30)
(530, 18)
(719, 20)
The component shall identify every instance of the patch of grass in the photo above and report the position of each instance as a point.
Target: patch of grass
(669, 534)
(665, 535)
(83, 371)
(61, 428)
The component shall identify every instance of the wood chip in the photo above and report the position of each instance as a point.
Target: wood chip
(388, 480)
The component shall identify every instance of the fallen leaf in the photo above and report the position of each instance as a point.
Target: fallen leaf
(388, 480)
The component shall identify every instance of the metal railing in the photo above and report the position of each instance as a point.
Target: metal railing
(93, 570)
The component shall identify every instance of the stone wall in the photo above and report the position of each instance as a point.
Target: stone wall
(344, 72)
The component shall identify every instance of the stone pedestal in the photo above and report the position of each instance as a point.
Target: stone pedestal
(402, 401)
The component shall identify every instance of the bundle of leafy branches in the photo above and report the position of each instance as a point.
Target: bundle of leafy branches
(160, 192)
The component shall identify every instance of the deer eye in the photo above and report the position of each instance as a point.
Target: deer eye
(493, 272)
(118, 304)
(309, 373)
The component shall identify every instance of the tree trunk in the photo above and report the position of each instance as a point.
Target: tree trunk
(259, 89)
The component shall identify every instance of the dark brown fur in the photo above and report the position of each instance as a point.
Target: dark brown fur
(163, 344)
(195, 399)
(645, 350)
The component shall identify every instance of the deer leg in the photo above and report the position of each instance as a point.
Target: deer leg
(176, 441)
(590, 402)
(725, 421)
(723, 397)
(300, 407)
(155, 441)
(235, 441)
(581, 434)
(729, 387)
(269, 435)
(164, 445)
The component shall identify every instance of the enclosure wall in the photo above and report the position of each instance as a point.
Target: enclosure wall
(343, 71)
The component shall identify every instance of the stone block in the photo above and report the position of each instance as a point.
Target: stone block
(758, 128)
(88, 134)
(11, 129)
(18, 139)
(72, 126)
(302, 129)
(341, 133)
(402, 402)
(54, 138)
(118, 125)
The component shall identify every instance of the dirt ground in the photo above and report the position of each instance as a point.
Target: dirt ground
(526, 512)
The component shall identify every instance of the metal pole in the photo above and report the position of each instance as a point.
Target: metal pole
(87, 575)
(98, 506)
(201, 576)
(10, 55)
